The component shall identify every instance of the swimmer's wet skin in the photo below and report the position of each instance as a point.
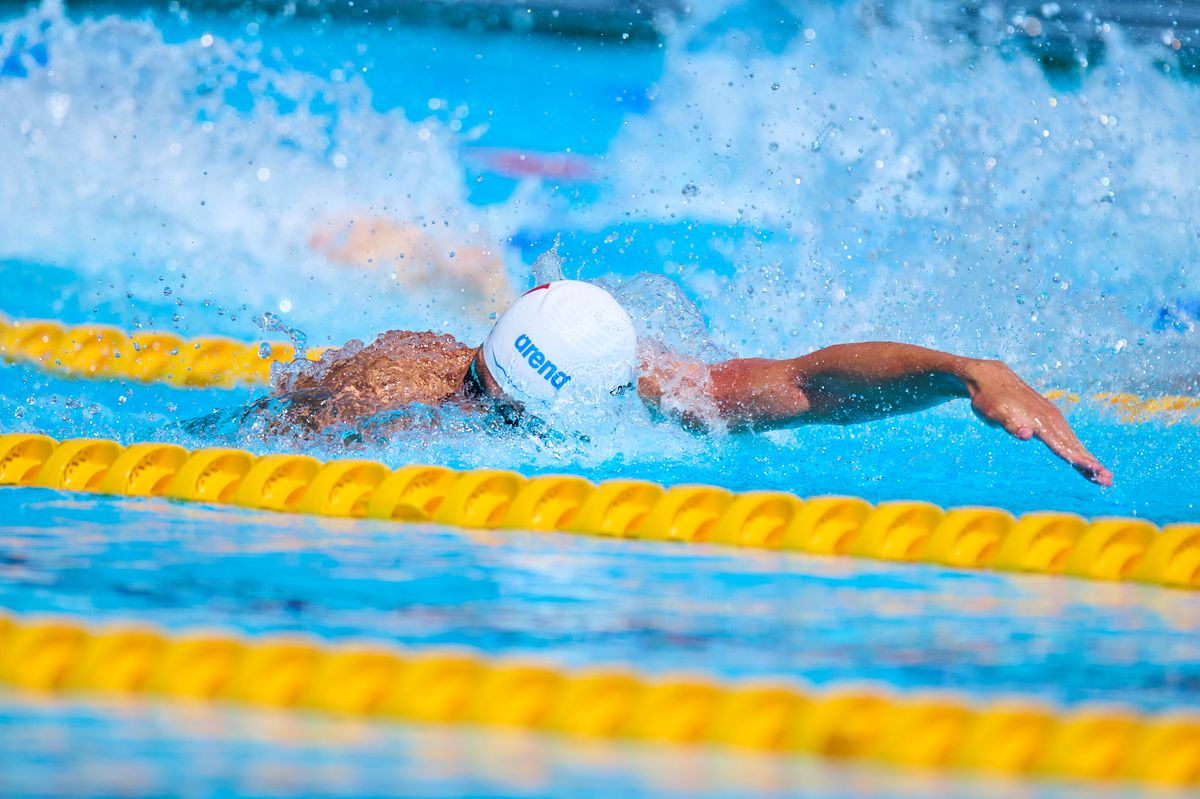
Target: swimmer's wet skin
(570, 341)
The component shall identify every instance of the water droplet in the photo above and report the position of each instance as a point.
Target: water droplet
(690, 190)
(548, 266)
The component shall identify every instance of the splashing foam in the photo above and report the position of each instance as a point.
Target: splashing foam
(933, 191)
(206, 167)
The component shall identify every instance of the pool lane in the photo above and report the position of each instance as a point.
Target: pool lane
(578, 601)
(944, 455)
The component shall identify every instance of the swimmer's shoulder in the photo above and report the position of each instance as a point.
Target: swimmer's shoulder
(420, 344)
(392, 347)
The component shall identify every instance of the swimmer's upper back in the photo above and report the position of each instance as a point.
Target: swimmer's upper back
(400, 368)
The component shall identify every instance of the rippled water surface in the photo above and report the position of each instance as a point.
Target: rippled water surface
(577, 600)
(561, 599)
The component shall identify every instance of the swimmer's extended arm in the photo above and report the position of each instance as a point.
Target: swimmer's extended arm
(849, 383)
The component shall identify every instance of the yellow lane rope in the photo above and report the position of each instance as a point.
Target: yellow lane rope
(376, 680)
(99, 351)
(1131, 408)
(965, 538)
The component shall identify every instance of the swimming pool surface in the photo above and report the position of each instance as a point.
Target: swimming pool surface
(807, 176)
(149, 750)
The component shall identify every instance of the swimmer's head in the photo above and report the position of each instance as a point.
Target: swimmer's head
(566, 340)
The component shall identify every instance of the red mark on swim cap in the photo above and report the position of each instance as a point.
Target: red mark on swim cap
(536, 288)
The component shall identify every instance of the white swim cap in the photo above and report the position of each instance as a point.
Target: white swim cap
(563, 340)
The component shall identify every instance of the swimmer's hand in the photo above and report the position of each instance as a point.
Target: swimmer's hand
(1004, 400)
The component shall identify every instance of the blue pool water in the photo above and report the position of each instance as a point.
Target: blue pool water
(837, 176)
(577, 601)
(559, 599)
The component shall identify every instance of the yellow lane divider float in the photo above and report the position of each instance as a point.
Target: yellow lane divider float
(1131, 408)
(966, 538)
(99, 351)
(930, 731)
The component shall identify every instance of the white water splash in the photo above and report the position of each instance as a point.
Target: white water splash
(931, 189)
(202, 169)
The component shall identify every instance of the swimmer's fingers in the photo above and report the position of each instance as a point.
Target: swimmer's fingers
(1062, 441)
(1005, 400)
(1035, 417)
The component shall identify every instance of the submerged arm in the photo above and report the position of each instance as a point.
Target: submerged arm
(849, 383)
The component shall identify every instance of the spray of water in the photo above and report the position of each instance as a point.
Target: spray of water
(202, 170)
(930, 188)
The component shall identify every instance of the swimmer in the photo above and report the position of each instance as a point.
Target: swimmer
(470, 276)
(571, 342)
